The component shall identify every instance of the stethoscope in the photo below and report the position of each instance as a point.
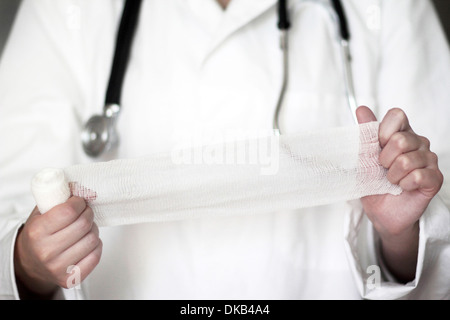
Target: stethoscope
(99, 134)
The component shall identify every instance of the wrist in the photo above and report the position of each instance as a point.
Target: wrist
(400, 251)
(400, 240)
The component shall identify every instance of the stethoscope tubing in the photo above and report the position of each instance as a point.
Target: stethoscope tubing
(99, 135)
(338, 15)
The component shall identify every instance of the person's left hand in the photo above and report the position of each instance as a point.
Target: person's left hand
(411, 165)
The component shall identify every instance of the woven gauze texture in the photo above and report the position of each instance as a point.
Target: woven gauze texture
(253, 176)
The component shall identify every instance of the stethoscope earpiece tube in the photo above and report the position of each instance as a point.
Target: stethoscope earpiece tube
(124, 40)
(344, 34)
(346, 56)
(343, 25)
(283, 25)
(283, 16)
(99, 134)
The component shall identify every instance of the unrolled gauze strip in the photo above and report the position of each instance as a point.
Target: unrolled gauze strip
(242, 177)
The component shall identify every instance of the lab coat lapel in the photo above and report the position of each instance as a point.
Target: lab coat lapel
(238, 14)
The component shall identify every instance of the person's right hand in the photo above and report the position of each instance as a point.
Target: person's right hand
(49, 243)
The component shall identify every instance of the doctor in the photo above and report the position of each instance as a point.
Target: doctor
(212, 65)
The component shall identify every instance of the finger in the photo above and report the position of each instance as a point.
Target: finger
(399, 143)
(88, 263)
(407, 162)
(64, 214)
(394, 121)
(427, 181)
(68, 274)
(364, 115)
(73, 233)
(82, 248)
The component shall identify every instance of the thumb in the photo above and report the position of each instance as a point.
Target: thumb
(35, 212)
(364, 114)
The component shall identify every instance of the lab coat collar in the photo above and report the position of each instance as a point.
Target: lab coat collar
(238, 14)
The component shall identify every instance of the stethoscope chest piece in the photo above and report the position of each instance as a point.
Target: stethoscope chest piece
(99, 134)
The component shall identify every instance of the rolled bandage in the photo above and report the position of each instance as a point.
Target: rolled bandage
(50, 188)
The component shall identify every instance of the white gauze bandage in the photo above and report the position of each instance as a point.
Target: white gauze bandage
(247, 177)
(50, 188)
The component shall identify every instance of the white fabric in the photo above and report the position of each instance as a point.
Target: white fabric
(308, 169)
(50, 188)
(214, 71)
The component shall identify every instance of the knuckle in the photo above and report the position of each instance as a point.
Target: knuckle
(425, 141)
(433, 157)
(34, 232)
(43, 254)
(400, 140)
(100, 248)
(404, 162)
(398, 113)
(89, 214)
(97, 254)
(92, 239)
(85, 223)
(418, 177)
(67, 210)
(96, 259)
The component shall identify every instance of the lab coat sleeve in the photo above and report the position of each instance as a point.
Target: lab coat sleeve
(40, 99)
(414, 75)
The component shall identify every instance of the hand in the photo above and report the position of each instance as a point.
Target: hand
(48, 244)
(414, 167)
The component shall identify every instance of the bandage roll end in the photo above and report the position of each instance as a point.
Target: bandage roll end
(50, 188)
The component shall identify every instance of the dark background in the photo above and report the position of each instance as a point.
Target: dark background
(443, 9)
(8, 9)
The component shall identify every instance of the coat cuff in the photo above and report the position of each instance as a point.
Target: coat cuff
(373, 279)
(8, 287)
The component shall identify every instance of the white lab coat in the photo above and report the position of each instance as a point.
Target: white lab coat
(196, 68)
